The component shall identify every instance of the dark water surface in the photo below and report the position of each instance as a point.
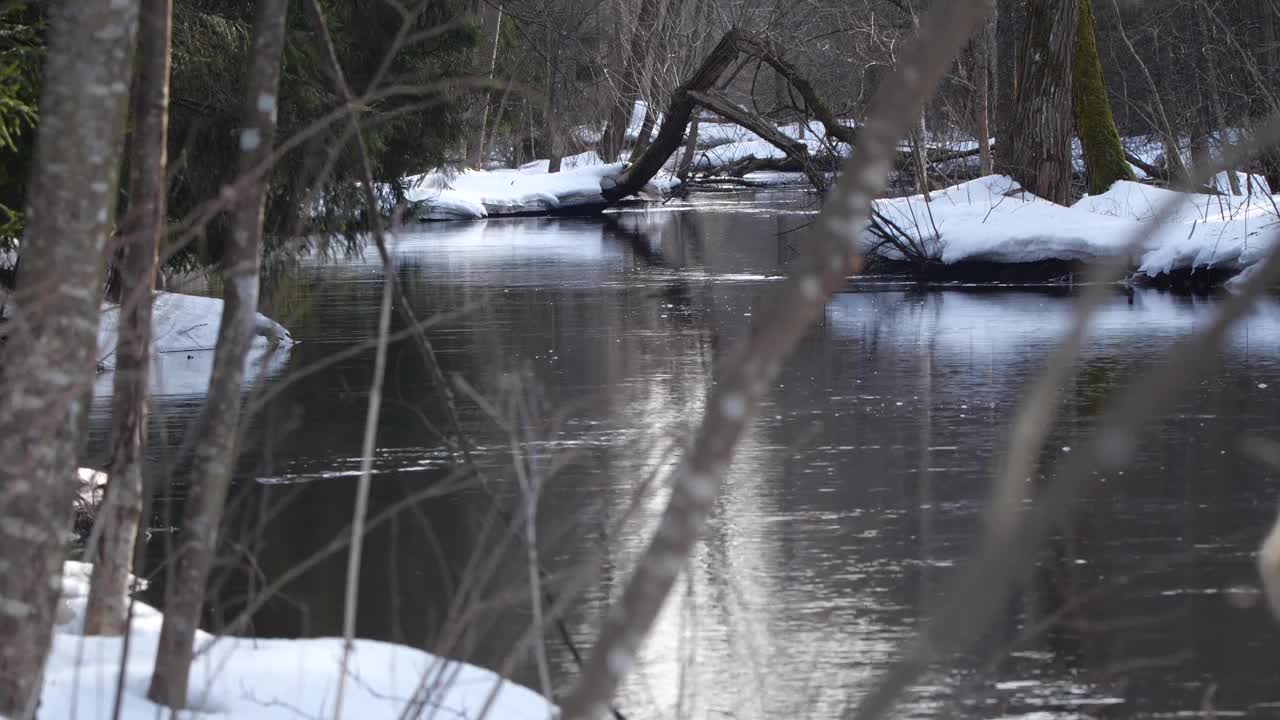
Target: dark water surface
(855, 496)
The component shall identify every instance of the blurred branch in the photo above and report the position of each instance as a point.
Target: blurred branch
(749, 370)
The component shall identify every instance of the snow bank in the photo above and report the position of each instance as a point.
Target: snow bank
(184, 330)
(262, 679)
(1228, 232)
(991, 219)
(531, 189)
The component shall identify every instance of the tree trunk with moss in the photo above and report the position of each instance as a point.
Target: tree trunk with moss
(1104, 161)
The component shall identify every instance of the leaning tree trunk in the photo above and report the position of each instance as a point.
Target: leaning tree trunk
(682, 104)
(1104, 161)
(106, 613)
(216, 452)
(47, 365)
(1040, 138)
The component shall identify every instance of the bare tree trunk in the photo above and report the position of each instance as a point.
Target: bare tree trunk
(982, 75)
(645, 133)
(215, 455)
(1104, 161)
(630, 81)
(1010, 19)
(919, 165)
(1270, 15)
(47, 365)
(1211, 115)
(489, 54)
(106, 613)
(690, 149)
(1040, 139)
(1175, 168)
(551, 123)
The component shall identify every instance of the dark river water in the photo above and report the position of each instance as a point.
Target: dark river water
(583, 351)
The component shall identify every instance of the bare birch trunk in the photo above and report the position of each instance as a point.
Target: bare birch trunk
(47, 365)
(1040, 139)
(215, 455)
(107, 607)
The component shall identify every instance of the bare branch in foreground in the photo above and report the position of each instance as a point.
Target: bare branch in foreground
(830, 255)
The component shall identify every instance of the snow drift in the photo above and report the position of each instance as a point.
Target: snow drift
(261, 679)
(992, 219)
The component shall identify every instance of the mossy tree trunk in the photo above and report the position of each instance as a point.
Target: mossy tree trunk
(1104, 161)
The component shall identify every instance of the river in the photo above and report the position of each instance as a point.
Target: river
(585, 349)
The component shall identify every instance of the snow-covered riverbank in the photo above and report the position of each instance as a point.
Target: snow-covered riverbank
(184, 332)
(992, 220)
(262, 679)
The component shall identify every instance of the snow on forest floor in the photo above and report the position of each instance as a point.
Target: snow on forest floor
(991, 219)
(184, 331)
(473, 194)
(262, 679)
